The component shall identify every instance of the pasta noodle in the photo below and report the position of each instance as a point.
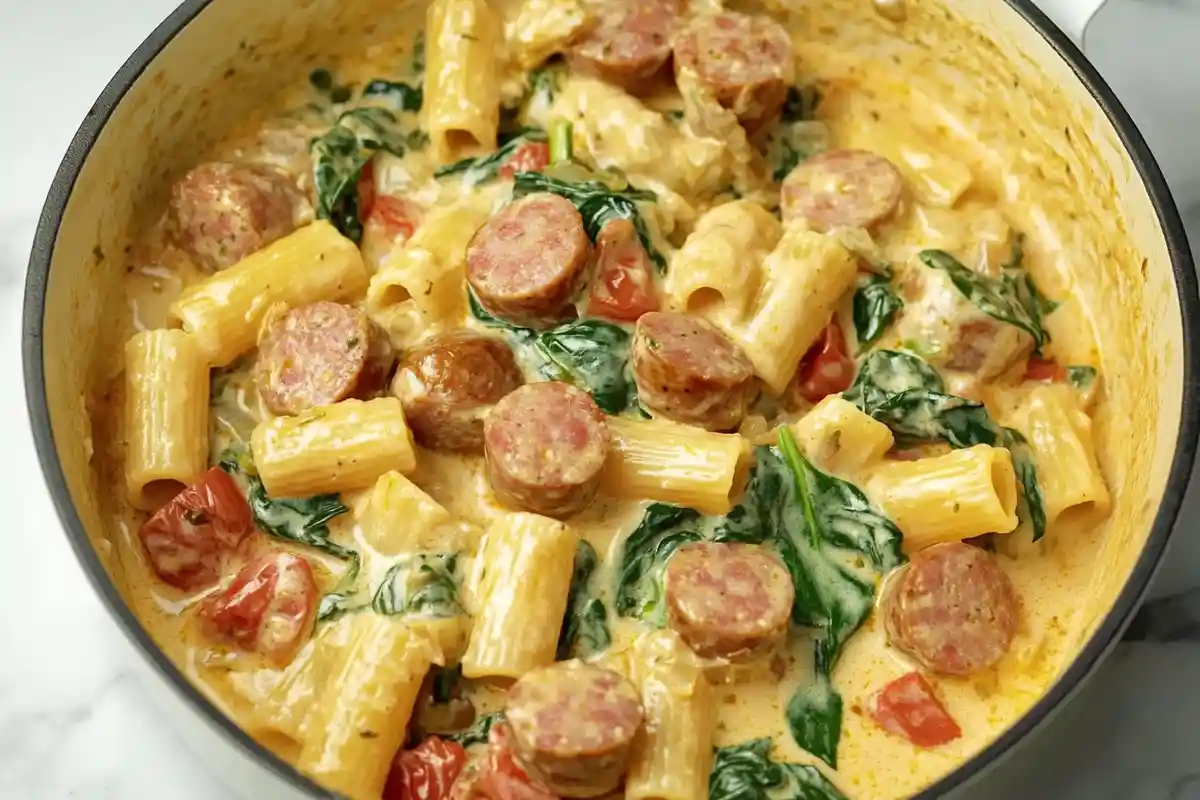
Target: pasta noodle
(840, 438)
(360, 719)
(537, 29)
(520, 587)
(674, 463)
(224, 312)
(166, 401)
(672, 754)
(334, 448)
(398, 517)
(950, 497)
(462, 92)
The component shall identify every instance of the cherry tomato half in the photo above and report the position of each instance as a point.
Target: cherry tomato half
(826, 368)
(427, 772)
(529, 157)
(908, 707)
(623, 288)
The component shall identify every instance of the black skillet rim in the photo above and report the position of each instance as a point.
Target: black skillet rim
(1101, 642)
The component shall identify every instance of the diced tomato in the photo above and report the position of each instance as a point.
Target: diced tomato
(366, 189)
(187, 538)
(500, 777)
(267, 609)
(395, 215)
(529, 157)
(623, 288)
(1044, 369)
(908, 707)
(826, 368)
(427, 772)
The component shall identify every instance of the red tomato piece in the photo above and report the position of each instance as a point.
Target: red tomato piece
(623, 288)
(366, 190)
(427, 772)
(908, 707)
(1044, 369)
(826, 368)
(500, 777)
(187, 538)
(397, 216)
(529, 157)
(267, 609)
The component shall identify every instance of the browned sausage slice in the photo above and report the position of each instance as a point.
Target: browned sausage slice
(223, 212)
(629, 43)
(745, 60)
(319, 354)
(545, 446)
(527, 262)
(952, 609)
(842, 189)
(448, 385)
(687, 369)
(727, 599)
(573, 725)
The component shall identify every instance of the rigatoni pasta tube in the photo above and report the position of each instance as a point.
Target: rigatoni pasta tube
(225, 311)
(534, 30)
(948, 498)
(462, 74)
(334, 448)
(838, 437)
(1060, 434)
(399, 517)
(280, 719)
(166, 408)
(519, 595)
(421, 283)
(674, 463)
(360, 720)
(717, 269)
(673, 752)
(804, 277)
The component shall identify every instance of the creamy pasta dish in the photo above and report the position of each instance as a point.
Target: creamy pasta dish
(605, 398)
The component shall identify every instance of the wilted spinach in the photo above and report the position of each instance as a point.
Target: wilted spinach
(906, 394)
(585, 625)
(1011, 298)
(340, 155)
(423, 585)
(875, 306)
(796, 135)
(598, 204)
(478, 732)
(590, 353)
(746, 771)
(482, 169)
(399, 95)
(639, 590)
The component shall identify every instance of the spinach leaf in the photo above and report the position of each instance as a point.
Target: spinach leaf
(906, 394)
(401, 96)
(543, 83)
(478, 732)
(340, 155)
(797, 135)
(875, 306)
(1081, 378)
(746, 771)
(482, 169)
(598, 204)
(590, 353)
(1011, 298)
(423, 585)
(639, 590)
(418, 54)
(585, 625)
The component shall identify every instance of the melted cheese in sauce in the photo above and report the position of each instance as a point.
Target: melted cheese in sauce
(954, 179)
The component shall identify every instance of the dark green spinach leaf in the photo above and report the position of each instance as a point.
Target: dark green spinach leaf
(1082, 378)
(875, 306)
(598, 204)
(424, 585)
(639, 590)
(482, 169)
(1011, 298)
(746, 771)
(585, 625)
(478, 732)
(398, 94)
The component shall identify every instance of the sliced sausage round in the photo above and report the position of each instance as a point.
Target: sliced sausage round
(267, 609)
(842, 189)
(687, 369)
(527, 262)
(223, 212)
(573, 725)
(545, 445)
(726, 599)
(320, 354)
(745, 60)
(952, 609)
(629, 44)
(448, 386)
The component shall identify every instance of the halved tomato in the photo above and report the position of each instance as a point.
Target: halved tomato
(529, 157)
(623, 287)
(908, 707)
(427, 772)
(187, 538)
(826, 368)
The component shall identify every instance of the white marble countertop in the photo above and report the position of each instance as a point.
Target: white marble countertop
(75, 722)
